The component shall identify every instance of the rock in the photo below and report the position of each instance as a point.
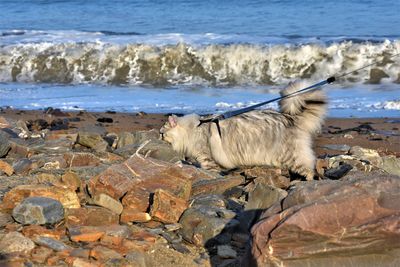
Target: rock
(370, 155)
(51, 243)
(15, 242)
(338, 172)
(67, 197)
(125, 139)
(336, 147)
(136, 178)
(86, 233)
(71, 180)
(132, 215)
(4, 145)
(92, 140)
(40, 254)
(268, 176)
(38, 210)
(172, 227)
(90, 216)
(102, 253)
(78, 262)
(353, 219)
(22, 166)
(202, 224)
(216, 186)
(105, 120)
(34, 231)
(136, 257)
(166, 207)
(226, 252)
(357, 164)
(108, 202)
(6, 168)
(5, 218)
(261, 198)
(81, 159)
(37, 125)
(391, 165)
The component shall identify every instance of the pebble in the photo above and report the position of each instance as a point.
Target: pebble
(226, 252)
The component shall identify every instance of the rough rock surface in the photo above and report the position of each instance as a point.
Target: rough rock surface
(357, 217)
(38, 210)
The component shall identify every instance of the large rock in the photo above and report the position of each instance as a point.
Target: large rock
(166, 207)
(137, 178)
(92, 140)
(66, 196)
(15, 242)
(355, 220)
(90, 216)
(38, 210)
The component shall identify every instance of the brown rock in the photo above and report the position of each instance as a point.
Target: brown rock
(81, 159)
(40, 254)
(216, 186)
(33, 231)
(14, 242)
(60, 135)
(352, 219)
(71, 180)
(138, 177)
(92, 140)
(102, 253)
(166, 207)
(6, 168)
(85, 233)
(23, 166)
(78, 262)
(90, 216)
(131, 215)
(67, 197)
(108, 202)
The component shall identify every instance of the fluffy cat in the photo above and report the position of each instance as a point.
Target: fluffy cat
(261, 137)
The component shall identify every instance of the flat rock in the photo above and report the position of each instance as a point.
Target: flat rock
(108, 202)
(166, 207)
(81, 159)
(51, 243)
(90, 216)
(370, 155)
(38, 210)
(66, 196)
(391, 165)
(351, 219)
(137, 178)
(132, 215)
(22, 166)
(92, 140)
(226, 252)
(216, 186)
(15, 242)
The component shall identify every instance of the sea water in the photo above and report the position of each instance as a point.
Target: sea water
(197, 56)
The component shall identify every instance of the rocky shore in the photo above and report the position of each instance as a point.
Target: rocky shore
(101, 189)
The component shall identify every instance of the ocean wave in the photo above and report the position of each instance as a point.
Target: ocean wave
(100, 62)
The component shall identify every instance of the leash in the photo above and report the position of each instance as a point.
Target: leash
(215, 119)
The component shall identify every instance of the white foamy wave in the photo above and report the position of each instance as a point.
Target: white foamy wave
(216, 64)
(392, 105)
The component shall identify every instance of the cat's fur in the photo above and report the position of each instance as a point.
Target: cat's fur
(262, 137)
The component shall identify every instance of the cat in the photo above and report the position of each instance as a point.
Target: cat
(257, 138)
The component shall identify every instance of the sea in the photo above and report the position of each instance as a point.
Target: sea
(184, 56)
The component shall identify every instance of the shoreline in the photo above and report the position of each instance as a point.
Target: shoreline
(381, 134)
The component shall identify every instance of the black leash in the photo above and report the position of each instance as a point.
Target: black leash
(330, 80)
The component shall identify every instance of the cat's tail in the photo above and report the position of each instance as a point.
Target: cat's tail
(308, 109)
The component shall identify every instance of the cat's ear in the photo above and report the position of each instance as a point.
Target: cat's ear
(172, 121)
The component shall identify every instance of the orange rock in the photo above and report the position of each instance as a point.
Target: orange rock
(86, 233)
(81, 159)
(108, 240)
(40, 254)
(102, 253)
(71, 180)
(36, 230)
(90, 216)
(131, 215)
(135, 245)
(166, 207)
(6, 168)
(78, 262)
(67, 197)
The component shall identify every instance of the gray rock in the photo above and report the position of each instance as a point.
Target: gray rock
(343, 148)
(203, 224)
(136, 257)
(15, 242)
(22, 166)
(4, 219)
(51, 243)
(4, 144)
(126, 138)
(338, 172)
(226, 252)
(38, 210)
(92, 140)
(391, 164)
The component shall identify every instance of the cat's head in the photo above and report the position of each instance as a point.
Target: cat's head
(177, 129)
